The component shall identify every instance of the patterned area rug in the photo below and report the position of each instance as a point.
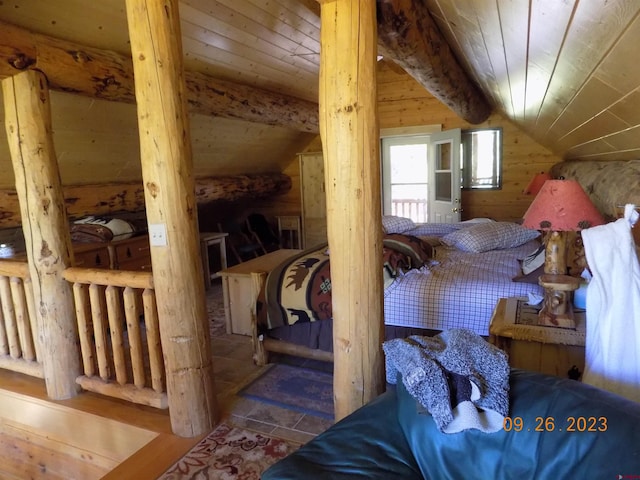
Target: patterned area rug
(301, 389)
(229, 453)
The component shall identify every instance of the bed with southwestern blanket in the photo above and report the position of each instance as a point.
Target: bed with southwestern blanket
(430, 285)
(299, 289)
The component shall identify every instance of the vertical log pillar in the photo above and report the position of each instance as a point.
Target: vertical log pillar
(167, 171)
(45, 226)
(350, 139)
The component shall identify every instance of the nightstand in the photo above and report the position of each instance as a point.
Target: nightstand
(550, 350)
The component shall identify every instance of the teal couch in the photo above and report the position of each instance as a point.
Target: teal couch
(548, 437)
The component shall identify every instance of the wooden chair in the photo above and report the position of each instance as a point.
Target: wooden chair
(241, 244)
(261, 231)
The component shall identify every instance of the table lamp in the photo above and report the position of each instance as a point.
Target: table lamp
(536, 183)
(559, 207)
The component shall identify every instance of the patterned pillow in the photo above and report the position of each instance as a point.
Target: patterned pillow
(415, 249)
(489, 236)
(393, 224)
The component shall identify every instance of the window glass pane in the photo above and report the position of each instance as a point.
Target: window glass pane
(409, 163)
(443, 186)
(482, 158)
(443, 151)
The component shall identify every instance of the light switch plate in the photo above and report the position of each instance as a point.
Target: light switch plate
(158, 235)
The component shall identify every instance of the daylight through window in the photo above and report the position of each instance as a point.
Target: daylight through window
(482, 158)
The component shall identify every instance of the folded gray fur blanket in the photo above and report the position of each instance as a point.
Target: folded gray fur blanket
(457, 376)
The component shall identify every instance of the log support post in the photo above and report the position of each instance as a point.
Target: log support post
(350, 139)
(167, 172)
(46, 231)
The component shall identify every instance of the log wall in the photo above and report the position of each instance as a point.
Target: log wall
(111, 198)
(609, 184)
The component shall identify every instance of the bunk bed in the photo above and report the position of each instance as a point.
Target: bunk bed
(437, 276)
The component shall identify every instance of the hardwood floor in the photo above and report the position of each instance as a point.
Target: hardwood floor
(91, 436)
(85, 437)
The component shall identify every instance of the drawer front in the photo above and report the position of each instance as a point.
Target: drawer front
(142, 263)
(131, 250)
(545, 357)
(98, 258)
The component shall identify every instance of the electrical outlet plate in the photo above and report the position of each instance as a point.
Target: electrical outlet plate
(158, 235)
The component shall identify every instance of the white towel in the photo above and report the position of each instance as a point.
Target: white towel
(613, 308)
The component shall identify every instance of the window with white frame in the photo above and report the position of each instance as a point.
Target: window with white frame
(405, 172)
(482, 158)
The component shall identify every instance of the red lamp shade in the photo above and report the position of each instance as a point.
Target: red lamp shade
(536, 183)
(561, 205)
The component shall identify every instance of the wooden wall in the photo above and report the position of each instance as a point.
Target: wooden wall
(289, 203)
(403, 102)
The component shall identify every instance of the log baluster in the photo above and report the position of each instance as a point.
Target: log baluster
(156, 362)
(132, 315)
(25, 336)
(85, 327)
(4, 342)
(98, 314)
(116, 320)
(9, 318)
(33, 318)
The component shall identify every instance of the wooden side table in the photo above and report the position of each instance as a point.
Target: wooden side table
(292, 226)
(208, 239)
(530, 346)
(237, 288)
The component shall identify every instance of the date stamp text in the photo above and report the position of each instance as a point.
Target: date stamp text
(551, 424)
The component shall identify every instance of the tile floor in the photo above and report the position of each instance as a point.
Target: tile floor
(234, 368)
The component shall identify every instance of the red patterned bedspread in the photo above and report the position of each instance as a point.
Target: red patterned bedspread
(299, 289)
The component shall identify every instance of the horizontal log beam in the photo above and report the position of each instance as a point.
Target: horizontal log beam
(408, 35)
(108, 75)
(19, 365)
(112, 198)
(9, 268)
(115, 278)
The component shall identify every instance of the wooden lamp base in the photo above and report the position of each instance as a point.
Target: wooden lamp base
(557, 310)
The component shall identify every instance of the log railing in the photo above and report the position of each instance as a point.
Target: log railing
(119, 335)
(19, 344)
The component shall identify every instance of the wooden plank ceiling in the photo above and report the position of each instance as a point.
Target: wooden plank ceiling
(565, 71)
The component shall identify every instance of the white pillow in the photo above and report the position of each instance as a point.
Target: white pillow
(478, 220)
(489, 236)
(393, 224)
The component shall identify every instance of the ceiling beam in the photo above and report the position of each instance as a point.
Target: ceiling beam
(408, 35)
(114, 198)
(108, 75)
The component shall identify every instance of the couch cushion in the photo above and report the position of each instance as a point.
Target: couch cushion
(368, 444)
(612, 449)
